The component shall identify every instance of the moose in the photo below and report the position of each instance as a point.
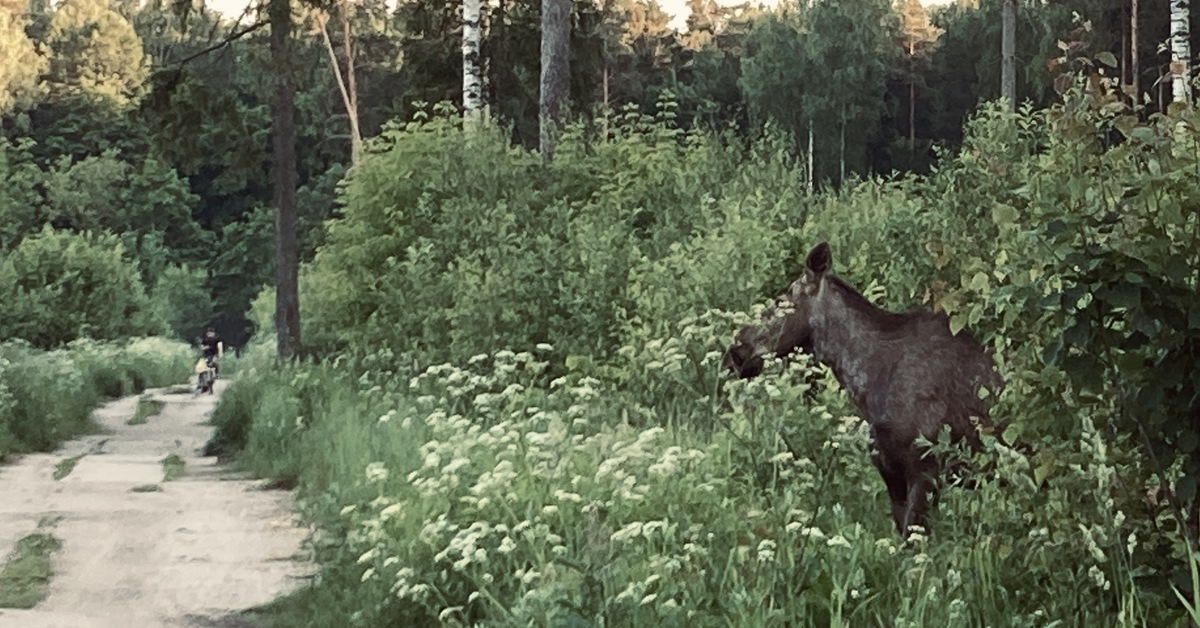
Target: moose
(905, 372)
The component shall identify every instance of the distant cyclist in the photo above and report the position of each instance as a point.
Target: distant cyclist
(213, 348)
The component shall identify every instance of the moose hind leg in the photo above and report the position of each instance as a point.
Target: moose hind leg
(897, 487)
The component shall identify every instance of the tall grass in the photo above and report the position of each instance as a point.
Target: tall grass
(501, 493)
(619, 479)
(47, 396)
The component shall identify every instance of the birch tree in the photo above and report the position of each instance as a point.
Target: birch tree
(1134, 36)
(1181, 51)
(472, 80)
(919, 36)
(345, 82)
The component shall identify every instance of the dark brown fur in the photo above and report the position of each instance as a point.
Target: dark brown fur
(904, 371)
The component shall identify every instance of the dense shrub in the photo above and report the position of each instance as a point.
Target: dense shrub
(59, 286)
(48, 396)
(181, 299)
(618, 478)
(452, 240)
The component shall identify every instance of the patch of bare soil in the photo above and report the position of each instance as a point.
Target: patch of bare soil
(194, 554)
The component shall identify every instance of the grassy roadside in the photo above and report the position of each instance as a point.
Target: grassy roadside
(147, 407)
(47, 397)
(173, 467)
(66, 466)
(26, 574)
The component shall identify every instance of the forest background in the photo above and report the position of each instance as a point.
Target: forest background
(509, 406)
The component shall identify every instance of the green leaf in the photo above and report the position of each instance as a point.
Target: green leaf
(1124, 295)
(957, 322)
(1188, 440)
(1041, 472)
(1107, 58)
(1078, 334)
(980, 282)
(1004, 215)
(1185, 488)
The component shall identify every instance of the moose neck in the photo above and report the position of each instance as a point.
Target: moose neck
(850, 335)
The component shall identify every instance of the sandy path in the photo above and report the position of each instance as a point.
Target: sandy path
(193, 555)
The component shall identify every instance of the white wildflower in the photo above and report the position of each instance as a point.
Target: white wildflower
(781, 457)
(377, 473)
(838, 541)
(627, 533)
(766, 551)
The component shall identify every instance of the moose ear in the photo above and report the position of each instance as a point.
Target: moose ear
(819, 259)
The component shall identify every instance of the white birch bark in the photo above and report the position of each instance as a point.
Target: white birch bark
(1181, 51)
(472, 78)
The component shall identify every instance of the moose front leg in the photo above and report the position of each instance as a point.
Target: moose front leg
(920, 488)
(897, 486)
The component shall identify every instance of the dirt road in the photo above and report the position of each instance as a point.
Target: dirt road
(192, 554)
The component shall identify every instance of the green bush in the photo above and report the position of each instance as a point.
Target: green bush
(19, 197)
(181, 299)
(47, 396)
(452, 240)
(614, 475)
(59, 286)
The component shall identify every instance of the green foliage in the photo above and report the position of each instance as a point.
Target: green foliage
(21, 63)
(59, 286)
(25, 576)
(173, 467)
(147, 407)
(47, 396)
(148, 206)
(19, 196)
(65, 466)
(823, 71)
(626, 480)
(181, 300)
(95, 52)
(451, 240)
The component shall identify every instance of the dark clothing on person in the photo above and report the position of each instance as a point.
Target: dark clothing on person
(210, 344)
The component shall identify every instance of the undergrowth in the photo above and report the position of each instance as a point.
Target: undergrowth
(47, 397)
(611, 474)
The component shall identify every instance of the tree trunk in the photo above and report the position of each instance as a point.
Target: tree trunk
(607, 111)
(283, 174)
(912, 94)
(346, 86)
(356, 142)
(472, 78)
(811, 184)
(1133, 52)
(1181, 51)
(1008, 52)
(556, 35)
(842, 157)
